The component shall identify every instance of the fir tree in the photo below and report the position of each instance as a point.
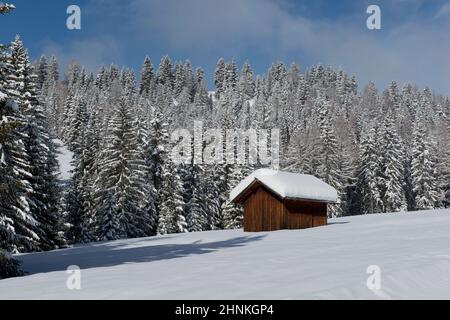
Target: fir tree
(219, 79)
(42, 71)
(246, 82)
(53, 70)
(329, 168)
(121, 180)
(369, 174)
(146, 77)
(391, 178)
(232, 213)
(17, 224)
(39, 148)
(165, 75)
(422, 171)
(171, 216)
(196, 215)
(6, 8)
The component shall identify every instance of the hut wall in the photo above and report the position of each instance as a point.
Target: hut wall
(265, 212)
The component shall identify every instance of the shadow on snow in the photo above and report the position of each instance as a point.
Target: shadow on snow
(112, 254)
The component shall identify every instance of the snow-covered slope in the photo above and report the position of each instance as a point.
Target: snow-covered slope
(64, 157)
(411, 249)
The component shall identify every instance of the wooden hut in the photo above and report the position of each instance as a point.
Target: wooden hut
(275, 200)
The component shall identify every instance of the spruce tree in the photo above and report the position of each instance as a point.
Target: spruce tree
(196, 215)
(146, 78)
(165, 75)
(219, 79)
(422, 171)
(247, 82)
(121, 189)
(391, 179)
(369, 174)
(53, 70)
(329, 167)
(171, 215)
(42, 71)
(39, 148)
(232, 213)
(18, 226)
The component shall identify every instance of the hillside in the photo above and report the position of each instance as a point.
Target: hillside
(412, 250)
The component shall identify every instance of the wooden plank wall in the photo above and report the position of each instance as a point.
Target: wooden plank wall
(305, 214)
(264, 212)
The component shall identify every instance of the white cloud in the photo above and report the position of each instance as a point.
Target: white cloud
(90, 52)
(413, 51)
(444, 11)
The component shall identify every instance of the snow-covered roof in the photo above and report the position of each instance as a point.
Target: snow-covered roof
(288, 185)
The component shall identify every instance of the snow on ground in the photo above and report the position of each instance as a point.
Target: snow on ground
(64, 157)
(412, 250)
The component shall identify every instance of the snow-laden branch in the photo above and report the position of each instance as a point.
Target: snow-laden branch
(6, 7)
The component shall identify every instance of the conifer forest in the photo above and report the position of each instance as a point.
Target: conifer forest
(383, 149)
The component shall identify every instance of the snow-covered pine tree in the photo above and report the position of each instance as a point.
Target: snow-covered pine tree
(9, 267)
(247, 82)
(78, 214)
(165, 75)
(233, 213)
(262, 109)
(391, 179)
(53, 70)
(156, 152)
(121, 187)
(215, 196)
(42, 71)
(329, 167)
(201, 99)
(219, 77)
(74, 76)
(149, 203)
(180, 80)
(50, 98)
(231, 76)
(17, 224)
(190, 78)
(146, 78)
(196, 215)
(6, 8)
(422, 171)
(369, 174)
(39, 147)
(76, 120)
(101, 81)
(80, 199)
(171, 215)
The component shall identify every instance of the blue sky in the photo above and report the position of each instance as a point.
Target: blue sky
(413, 44)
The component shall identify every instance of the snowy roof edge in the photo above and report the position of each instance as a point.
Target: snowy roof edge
(288, 185)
